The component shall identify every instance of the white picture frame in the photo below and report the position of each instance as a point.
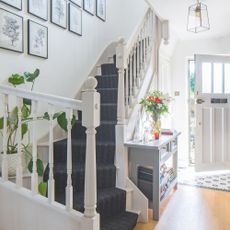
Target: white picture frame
(17, 4)
(101, 9)
(11, 31)
(77, 2)
(89, 6)
(75, 19)
(37, 39)
(59, 13)
(38, 8)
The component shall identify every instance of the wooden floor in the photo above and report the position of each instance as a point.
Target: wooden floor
(191, 208)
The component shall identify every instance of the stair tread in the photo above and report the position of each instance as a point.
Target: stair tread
(123, 221)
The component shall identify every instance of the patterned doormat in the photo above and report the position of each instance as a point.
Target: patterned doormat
(211, 180)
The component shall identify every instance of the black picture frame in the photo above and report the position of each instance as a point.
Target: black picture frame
(52, 14)
(31, 41)
(30, 11)
(98, 14)
(88, 10)
(13, 39)
(76, 2)
(7, 3)
(70, 18)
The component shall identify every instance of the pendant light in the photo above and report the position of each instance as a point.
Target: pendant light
(198, 20)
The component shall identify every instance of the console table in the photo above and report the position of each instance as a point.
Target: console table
(154, 154)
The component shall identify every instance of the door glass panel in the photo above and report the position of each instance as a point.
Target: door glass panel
(217, 78)
(227, 78)
(206, 78)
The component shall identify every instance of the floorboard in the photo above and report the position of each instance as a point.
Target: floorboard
(192, 208)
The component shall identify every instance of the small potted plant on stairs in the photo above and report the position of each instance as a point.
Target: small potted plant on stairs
(13, 127)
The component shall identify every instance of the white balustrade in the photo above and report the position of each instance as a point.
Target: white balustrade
(90, 107)
(19, 170)
(135, 58)
(69, 187)
(34, 176)
(51, 185)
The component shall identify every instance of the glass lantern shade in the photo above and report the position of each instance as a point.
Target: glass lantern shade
(198, 20)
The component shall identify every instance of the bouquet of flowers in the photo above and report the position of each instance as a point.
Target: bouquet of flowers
(157, 104)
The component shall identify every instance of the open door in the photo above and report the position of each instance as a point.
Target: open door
(212, 112)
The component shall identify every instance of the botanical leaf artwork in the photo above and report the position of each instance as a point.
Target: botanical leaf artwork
(89, 6)
(11, 27)
(38, 39)
(59, 12)
(15, 3)
(101, 9)
(39, 8)
(75, 19)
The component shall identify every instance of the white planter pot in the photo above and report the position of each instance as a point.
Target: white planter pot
(12, 164)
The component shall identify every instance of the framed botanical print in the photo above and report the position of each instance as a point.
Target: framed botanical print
(75, 19)
(38, 8)
(77, 2)
(37, 39)
(14, 3)
(59, 13)
(101, 9)
(11, 31)
(89, 6)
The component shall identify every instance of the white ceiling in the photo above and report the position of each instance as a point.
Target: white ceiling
(176, 12)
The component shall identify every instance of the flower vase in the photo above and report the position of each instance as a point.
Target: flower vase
(156, 126)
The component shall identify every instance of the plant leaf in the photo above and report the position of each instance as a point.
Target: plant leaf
(73, 120)
(42, 188)
(16, 79)
(24, 129)
(25, 112)
(1, 122)
(30, 77)
(46, 116)
(57, 115)
(62, 121)
(40, 167)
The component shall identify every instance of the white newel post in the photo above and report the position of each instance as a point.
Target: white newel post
(120, 52)
(4, 159)
(51, 186)
(34, 177)
(90, 120)
(19, 140)
(69, 186)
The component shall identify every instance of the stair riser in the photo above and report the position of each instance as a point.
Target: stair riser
(105, 153)
(107, 69)
(109, 112)
(108, 96)
(107, 81)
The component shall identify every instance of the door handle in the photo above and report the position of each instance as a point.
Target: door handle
(200, 101)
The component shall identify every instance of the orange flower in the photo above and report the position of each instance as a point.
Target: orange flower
(157, 100)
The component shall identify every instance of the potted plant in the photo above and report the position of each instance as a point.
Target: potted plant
(157, 104)
(12, 128)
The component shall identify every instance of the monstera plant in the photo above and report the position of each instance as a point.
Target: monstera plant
(26, 112)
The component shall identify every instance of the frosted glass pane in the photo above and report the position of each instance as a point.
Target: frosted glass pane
(227, 78)
(217, 78)
(206, 78)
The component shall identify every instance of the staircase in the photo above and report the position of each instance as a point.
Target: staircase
(111, 201)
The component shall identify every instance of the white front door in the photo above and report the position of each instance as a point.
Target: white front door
(212, 112)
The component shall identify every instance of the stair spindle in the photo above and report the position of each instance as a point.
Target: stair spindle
(4, 158)
(51, 187)
(131, 78)
(19, 170)
(34, 177)
(135, 70)
(69, 187)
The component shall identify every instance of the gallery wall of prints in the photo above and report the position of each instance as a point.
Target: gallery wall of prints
(66, 14)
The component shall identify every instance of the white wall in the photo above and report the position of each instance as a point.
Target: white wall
(20, 210)
(71, 57)
(183, 51)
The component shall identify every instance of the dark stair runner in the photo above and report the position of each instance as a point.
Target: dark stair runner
(111, 201)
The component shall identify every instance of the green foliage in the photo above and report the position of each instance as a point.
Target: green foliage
(42, 188)
(16, 79)
(156, 103)
(40, 167)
